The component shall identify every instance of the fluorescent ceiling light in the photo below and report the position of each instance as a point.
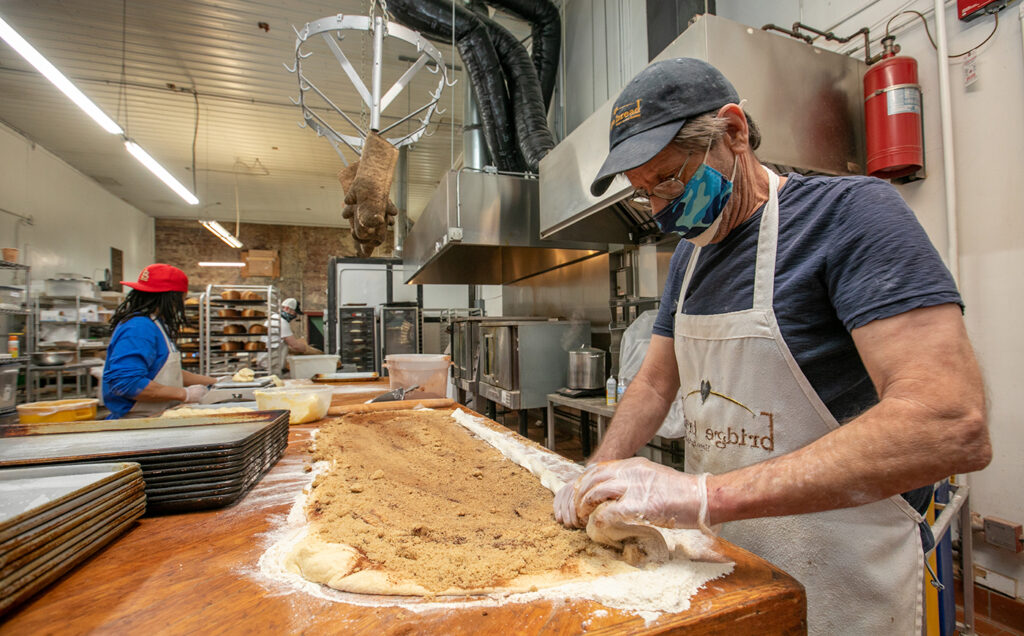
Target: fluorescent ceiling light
(36, 59)
(220, 264)
(160, 172)
(222, 233)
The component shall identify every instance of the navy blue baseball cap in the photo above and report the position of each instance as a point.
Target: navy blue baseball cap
(654, 106)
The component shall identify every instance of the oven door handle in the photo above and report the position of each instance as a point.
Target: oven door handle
(488, 355)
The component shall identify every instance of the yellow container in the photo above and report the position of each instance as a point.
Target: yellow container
(57, 411)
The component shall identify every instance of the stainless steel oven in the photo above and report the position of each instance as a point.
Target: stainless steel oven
(465, 346)
(521, 361)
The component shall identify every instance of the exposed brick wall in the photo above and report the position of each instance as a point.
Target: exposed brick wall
(304, 252)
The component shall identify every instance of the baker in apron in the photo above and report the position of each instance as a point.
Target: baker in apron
(142, 374)
(763, 451)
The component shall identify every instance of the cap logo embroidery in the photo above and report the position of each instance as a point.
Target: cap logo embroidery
(625, 113)
(144, 276)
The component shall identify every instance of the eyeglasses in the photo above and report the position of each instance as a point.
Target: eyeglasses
(665, 190)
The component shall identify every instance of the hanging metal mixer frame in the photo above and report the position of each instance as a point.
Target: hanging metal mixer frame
(374, 98)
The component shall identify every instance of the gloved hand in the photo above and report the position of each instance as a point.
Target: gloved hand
(640, 490)
(565, 507)
(194, 393)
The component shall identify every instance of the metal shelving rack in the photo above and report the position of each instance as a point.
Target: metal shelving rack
(26, 314)
(79, 368)
(189, 342)
(214, 360)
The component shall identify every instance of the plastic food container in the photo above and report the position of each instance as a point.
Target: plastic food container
(57, 411)
(68, 286)
(9, 385)
(305, 404)
(428, 371)
(308, 366)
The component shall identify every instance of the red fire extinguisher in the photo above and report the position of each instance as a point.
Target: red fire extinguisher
(892, 115)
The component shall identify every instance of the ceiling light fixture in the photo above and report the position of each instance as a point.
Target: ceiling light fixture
(220, 264)
(160, 171)
(50, 72)
(222, 233)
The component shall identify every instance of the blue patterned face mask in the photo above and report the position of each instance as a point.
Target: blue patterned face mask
(700, 205)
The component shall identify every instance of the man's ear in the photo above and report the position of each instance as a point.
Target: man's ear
(737, 135)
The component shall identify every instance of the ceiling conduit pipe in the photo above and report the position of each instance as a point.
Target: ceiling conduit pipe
(546, 26)
(948, 156)
(434, 18)
(532, 133)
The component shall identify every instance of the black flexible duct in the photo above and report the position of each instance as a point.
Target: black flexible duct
(531, 126)
(547, 37)
(434, 18)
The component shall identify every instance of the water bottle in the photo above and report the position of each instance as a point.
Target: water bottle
(621, 389)
(611, 396)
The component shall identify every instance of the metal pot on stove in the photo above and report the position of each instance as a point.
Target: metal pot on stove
(586, 368)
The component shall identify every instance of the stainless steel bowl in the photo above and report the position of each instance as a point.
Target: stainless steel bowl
(52, 358)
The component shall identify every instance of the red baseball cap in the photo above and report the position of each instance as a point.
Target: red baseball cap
(159, 277)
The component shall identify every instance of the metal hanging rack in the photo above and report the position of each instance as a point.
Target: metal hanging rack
(375, 97)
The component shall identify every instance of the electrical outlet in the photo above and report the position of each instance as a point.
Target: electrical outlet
(1004, 534)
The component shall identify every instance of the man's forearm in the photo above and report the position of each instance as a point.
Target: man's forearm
(190, 378)
(929, 423)
(155, 392)
(637, 419)
(894, 447)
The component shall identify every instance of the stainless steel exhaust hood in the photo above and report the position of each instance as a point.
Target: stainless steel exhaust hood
(806, 101)
(482, 228)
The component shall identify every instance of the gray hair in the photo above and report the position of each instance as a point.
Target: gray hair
(696, 133)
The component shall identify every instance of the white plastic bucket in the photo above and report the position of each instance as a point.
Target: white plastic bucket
(308, 366)
(428, 371)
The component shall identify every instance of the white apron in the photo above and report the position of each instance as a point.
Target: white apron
(169, 375)
(746, 400)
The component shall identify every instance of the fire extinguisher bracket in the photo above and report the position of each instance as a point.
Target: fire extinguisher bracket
(895, 87)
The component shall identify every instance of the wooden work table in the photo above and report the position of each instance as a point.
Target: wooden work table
(198, 573)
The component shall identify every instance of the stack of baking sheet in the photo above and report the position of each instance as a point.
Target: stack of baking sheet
(189, 463)
(54, 517)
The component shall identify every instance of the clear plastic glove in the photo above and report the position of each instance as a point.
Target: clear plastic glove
(639, 490)
(195, 393)
(565, 507)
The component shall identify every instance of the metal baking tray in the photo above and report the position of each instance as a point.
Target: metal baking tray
(151, 462)
(251, 474)
(49, 571)
(50, 532)
(90, 426)
(190, 472)
(203, 459)
(17, 574)
(30, 551)
(175, 504)
(70, 506)
(345, 377)
(52, 486)
(141, 443)
(200, 486)
(210, 472)
(196, 503)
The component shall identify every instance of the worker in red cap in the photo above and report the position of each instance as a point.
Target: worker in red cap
(143, 375)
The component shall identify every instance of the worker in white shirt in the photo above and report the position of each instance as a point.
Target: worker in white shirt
(280, 326)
